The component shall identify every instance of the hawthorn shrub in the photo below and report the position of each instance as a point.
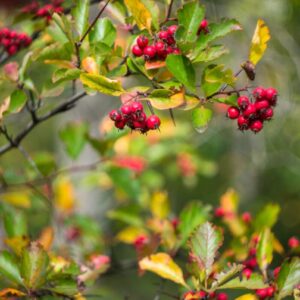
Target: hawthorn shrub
(61, 49)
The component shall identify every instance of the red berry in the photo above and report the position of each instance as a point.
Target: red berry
(13, 34)
(137, 51)
(170, 40)
(219, 212)
(293, 242)
(27, 41)
(115, 115)
(256, 126)
(5, 42)
(4, 32)
(276, 272)
(243, 123)
(160, 48)
(142, 41)
(141, 240)
(141, 117)
(233, 112)
(267, 114)
(138, 125)
(149, 51)
(137, 107)
(262, 293)
(200, 294)
(271, 96)
(203, 24)
(247, 273)
(153, 122)
(163, 35)
(176, 51)
(252, 252)
(243, 102)
(222, 296)
(126, 110)
(250, 111)
(246, 217)
(169, 50)
(12, 50)
(259, 93)
(262, 105)
(270, 291)
(172, 29)
(251, 263)
(120, 124)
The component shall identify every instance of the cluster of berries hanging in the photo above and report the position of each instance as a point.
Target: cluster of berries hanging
(13, 41)
(163, 44)
(46, 11)
(252, 114)
(202, 295)
(134, 117)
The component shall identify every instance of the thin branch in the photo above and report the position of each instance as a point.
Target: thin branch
(29, 159)
(169, 10)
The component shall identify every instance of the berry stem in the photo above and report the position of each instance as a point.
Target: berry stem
(169, 10)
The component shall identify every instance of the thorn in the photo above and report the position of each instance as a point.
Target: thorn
(172, 116)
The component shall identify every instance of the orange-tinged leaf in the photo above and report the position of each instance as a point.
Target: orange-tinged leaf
(11, 292)
(230, 201)
(160, 205)
(64, 195)
(4, 106)
(163, 265)
(46, 238)
(89, 65)
(129, 234)
(60, 63)
(19, 199)
(190, 102)
(259, 42)
(17, 243)
(150, 65)
(247, 297)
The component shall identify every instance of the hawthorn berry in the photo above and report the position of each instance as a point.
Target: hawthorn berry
(153, 122)
(203, 27)
(142, 41)
(172, 29)
(140, 241)
(246, 217)
(137, 51)
(115, 115)
(243, 102)
(163, 35)
(276, 272)
(293, 242)
(222, 296)
(126, 110)
(233, 112)
(259, 93)
(267, 114)
(137, 107)
(243, 123)
(251, 263)
(176, 51)
(247, 273)
(120, 124)
(271, 96)
(149, 52)
(270, 291)
(261, 293)
(262, 105)
(256, 126)
(250, 111)
(219, 212)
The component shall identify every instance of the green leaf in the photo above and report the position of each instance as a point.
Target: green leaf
(228, 274)
(74, 137)
(210, 53)
(288, 277)
(62, 75)
(201, 116)
(15, 223)
(104, 31)
(128, 215)
(64, 25)
(17, 100)
(227, 99)
(119, 71)
(267, 217)
(189, 18)
(66, 287)
(102, 84)
(265, 249)
(165, 99)
(182, 69)
(191, 217)
(204, 244)
(34, 264)
(24, 66)
(81, 15)
(56, 51)
(254, 282)
(45, 162)
(9, 268)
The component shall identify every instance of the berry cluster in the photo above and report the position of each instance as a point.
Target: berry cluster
(45, 11)
(252, 114)
(202, 295)
(163, 44)
(13, 41)
(134, 117)
(266, 293)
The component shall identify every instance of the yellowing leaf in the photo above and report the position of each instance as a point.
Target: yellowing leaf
(160, 206)
(129, 234)
(60, 63)
(229, 201)
(11, 292)
(89, 65)
(58, 263)
(259, 42)
(17, 243)
(163, 265)
(247, 297)
(19, 199)
(46, 238)
(64, 195)
(4, 107)
(151, 65)
(140, 13)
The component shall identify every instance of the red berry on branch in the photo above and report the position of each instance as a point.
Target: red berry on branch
(256, 126)
(293, 242)
(222, 296)
(243, 123)
(267, 114)
(250, 111)
(126, 110)
(270, 291)
(172, 29)
(153, 122)
(262, 293)
(246, 217)
(120, 124)
(137, 107)
(12, 50)
(219, 212)
(142, 41)
(115, 115)
(259, 93)
(276, 272)
(243, 102)
(247, 273)
(252, 252)
(233, 112)
(176, 51)
(149, 51)
(170, 40)
(137, 51)
(163, 35)
(262, 105)
(271, 96)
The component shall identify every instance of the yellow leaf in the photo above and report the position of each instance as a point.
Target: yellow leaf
(58, 263)
(259, 42)
(4, 107)
(19, 199)
(79, 297)
(160, 205)
(163, 265)
(60, 63)
(151, 65)
(278, 246)
(89, 65)
(140, 13)
(230, 201)
(129, 234)
(46, 238)
(64, 195)
(247, 297)
(17, 243)
(11, 292)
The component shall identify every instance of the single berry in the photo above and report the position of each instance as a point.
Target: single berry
(276, 272)
(149, 51)
(243, 123)
(153, 122)
(172, 29)
(271, 96)
(256, 126)
(233, 112)
(203, 26)
(169, 50)
(120, 124)
(115, 115)
(246, 217)
(12, 50)
(251, 263)
(137, 51)
(200, 294)
(176, 51)
(137, 107)
(170, 40)
(252, 252)
(243, 102)
(293, 242)
(163, 35)
(219, 212)
(126, 110)
(262, 105)
(270, 291)
(142, 41)
(140, 241)
(160, 48)
(267, 114)
(222, 296)
(141, 117)
(250, 111)
(247, 273)
(259, 93)
(262, 293)
(13, 34)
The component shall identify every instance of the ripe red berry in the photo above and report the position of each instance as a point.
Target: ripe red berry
(233, 112)
(115, 115)
(246, 217)
(137, 51)
(293, 242)
(153, 122)
(276, 272)
(141, 117)
(243, 102)
(219, 212)
(203, 24)
(267, 114)
(270, 291)
(259, 93)
(176, 51)
(13, 34)
(251, 263)
(160, 48)
(243, 123)
(12, 50)
(149, 51)
(172, 29)
(271, 96)
(126, 110)
(170, 40)
(138, 125)
(163, 35)
(252, 252)
(256, 126)
(142, 41)
(169, 50)
(120, 124)
(250, 111)
(200, 294)
(261, 293)
(137, 107)
(141, 240)
(222, 296)
(262, 105)
(247, 273)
